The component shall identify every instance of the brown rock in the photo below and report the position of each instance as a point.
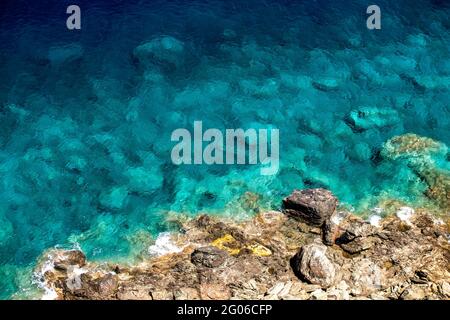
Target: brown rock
(312, 264)
(314, 206)
(329, 232)
(210, 257)
(358, 245)
(108, 284)
(64, 259)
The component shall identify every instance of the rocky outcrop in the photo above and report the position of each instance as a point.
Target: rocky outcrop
(313, 206)
(62, 260)
(312, 264)
(275, 256)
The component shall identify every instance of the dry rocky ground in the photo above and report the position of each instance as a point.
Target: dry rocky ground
(311, 250)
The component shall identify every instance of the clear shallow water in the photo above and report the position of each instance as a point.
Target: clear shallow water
(87, 117)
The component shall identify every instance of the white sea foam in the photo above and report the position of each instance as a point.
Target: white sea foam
(39, 279)
(375, 220)
(164, 245)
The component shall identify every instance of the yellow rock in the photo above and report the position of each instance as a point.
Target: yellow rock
(259, 250)
(226, 243)
(229, 244)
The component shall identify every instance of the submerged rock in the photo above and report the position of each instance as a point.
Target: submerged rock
(312, 206)
(411, 145)
(162, 50)
(366, 118)
(428, 159)
(63, 54)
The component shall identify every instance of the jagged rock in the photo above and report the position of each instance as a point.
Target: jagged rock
(62, 260)
(329, 232)
(356, 236)
(357, 245)
(210, 257)
(314, 206)
(312, 263)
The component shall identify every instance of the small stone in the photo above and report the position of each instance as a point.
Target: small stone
(313, 206)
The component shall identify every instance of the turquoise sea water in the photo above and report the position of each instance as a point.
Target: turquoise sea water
(87, 115)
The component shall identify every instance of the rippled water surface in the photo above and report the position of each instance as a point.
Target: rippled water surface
(87, 115)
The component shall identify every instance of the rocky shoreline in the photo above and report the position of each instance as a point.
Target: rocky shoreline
(310, 250)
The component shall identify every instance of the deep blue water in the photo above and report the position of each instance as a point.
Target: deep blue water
(87, 115)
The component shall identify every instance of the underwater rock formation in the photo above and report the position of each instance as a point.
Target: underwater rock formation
(423, 155)
(411, 145)
(165, 50)
(273, 256)
(366, 118)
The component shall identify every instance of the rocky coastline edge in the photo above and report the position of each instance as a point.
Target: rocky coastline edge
(308, 250)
